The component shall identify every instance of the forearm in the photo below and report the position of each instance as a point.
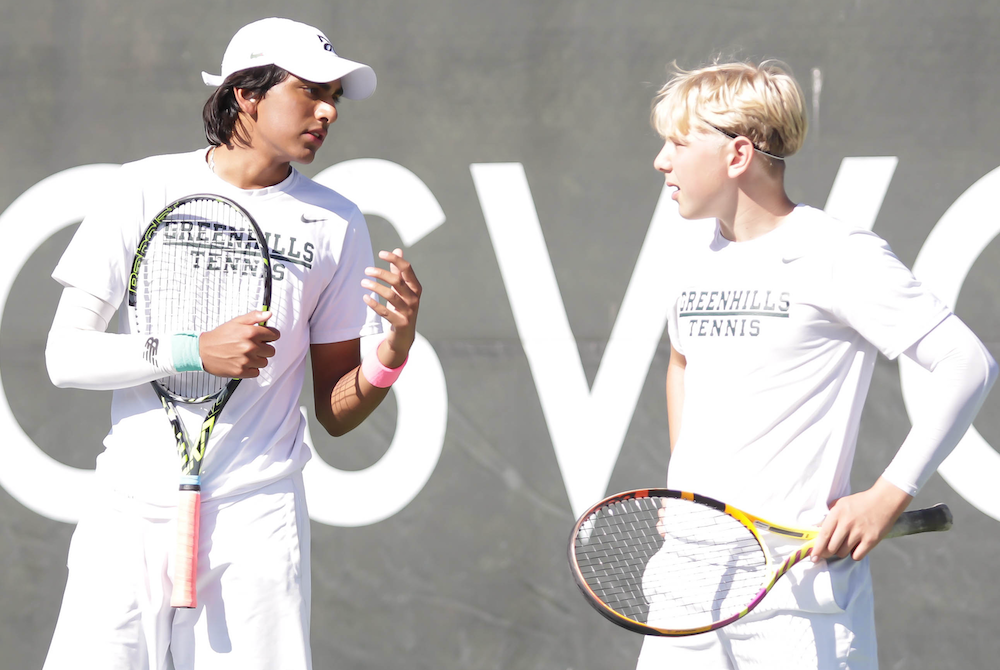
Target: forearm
(353, 396)
(675, 394)
(80, 354)
(962, 373)
(348, 403)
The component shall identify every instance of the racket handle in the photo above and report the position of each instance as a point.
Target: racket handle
(186, 557)
(933, 518)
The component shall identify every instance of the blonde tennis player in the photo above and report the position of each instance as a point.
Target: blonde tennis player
(778, 314)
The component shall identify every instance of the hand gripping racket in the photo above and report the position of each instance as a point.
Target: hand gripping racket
(662, 562)
(202, 261)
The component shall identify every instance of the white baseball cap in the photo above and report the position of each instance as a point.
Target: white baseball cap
(302, 50)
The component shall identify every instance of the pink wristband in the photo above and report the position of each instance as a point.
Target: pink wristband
(377, 374)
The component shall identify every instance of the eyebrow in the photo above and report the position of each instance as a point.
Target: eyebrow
(326, 87)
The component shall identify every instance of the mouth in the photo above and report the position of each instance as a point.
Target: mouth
(317, 135)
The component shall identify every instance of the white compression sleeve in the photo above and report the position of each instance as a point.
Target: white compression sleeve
(962, 372)
(79, 354)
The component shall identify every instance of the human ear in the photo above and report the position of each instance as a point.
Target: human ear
(740, 156)
(247, 100)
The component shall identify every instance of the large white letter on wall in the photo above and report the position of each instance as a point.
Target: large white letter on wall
(32, 477)
(342, 498)
(587, 427)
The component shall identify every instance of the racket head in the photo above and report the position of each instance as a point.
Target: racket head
(201, 262)
(707, 569)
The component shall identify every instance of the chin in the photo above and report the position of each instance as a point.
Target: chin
(692, 215)
(686, 214)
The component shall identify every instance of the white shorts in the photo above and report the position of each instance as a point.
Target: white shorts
(253, 587)
(817, 617)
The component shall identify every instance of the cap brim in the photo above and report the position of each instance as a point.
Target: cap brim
(357, 79)
(213, 80)
(359, 83)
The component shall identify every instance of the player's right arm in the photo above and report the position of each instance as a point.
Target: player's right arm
(675, 394)
(80, 354)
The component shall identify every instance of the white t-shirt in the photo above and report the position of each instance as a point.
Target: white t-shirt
(780, 335)
(319, 249)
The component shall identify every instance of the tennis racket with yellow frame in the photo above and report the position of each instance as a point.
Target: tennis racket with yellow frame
(672, 563)
(202, 261)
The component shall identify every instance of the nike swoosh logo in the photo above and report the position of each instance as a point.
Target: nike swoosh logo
(308, 219)
(790, 259)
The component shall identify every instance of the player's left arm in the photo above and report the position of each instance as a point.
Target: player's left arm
(676, 367)
(962, 372)
(344, 396)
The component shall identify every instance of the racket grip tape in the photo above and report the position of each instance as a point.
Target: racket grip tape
(186, 556)
(934, 518)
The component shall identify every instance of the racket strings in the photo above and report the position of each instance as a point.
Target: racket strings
(202, 268)
(670, 563)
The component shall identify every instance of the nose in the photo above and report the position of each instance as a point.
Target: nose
(662, 160)
(326, 111)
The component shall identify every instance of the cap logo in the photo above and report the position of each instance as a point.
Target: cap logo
(325, 42)
(256, 54)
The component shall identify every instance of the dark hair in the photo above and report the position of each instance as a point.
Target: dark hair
(221, 113)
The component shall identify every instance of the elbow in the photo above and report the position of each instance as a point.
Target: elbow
(330, 424)
(57, 376)
(59, 382)
(985, 364)
(55, 365)
(336, 429)
(991, 372)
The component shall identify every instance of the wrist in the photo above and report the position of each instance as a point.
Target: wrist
(376, 370)
(891, 495)
(186, 352)
(388, 356)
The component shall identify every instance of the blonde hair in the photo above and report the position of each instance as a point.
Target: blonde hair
(760, 102)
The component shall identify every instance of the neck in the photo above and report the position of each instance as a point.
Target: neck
(247, 169)
(755, 212)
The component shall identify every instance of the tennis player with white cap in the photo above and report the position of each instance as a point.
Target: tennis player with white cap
(273, 105)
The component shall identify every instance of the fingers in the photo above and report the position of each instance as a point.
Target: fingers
(263, 332)
(240, 347)
(258, 318)
(661, 524)
(838, 536)
(862, 550)
(400, 289)
(824, 546)
(255, 317)
(401, 279)
(834, 540)
(850, 529)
